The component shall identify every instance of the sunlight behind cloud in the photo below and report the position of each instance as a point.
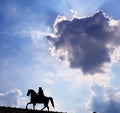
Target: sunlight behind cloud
(70, 48)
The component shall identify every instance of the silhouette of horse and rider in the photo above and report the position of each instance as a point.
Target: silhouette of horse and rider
(39, 98)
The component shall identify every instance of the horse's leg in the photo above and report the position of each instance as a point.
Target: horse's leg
(48, 108)
(45, 105)
(43, 108)
(34, 106)
(28, 104)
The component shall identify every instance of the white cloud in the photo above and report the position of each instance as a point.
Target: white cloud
(37, 35)
(74, 13)
(48, 78)
(13, 98)
(113, 22)
(101, 80)
(81, 107)
(48, 81)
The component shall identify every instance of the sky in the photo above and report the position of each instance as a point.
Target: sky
(70, 48)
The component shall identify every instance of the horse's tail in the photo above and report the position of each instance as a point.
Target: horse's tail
(52, 102)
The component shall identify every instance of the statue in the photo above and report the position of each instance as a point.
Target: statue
(38, 98)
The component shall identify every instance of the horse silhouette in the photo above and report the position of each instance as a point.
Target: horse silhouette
(35, 99)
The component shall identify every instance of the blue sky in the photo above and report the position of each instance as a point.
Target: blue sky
(70, 48)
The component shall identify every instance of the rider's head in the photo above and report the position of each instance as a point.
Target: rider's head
(40, 88)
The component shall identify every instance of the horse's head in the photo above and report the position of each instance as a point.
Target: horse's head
(32, 92)
(29, 92)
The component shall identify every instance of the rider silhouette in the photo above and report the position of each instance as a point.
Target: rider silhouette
(40, 93)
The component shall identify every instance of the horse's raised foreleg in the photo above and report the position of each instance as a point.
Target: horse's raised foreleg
(28, 104)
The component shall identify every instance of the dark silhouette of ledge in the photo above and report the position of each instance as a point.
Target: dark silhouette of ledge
(21, 110)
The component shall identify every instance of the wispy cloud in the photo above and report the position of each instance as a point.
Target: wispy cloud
(104, 100)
